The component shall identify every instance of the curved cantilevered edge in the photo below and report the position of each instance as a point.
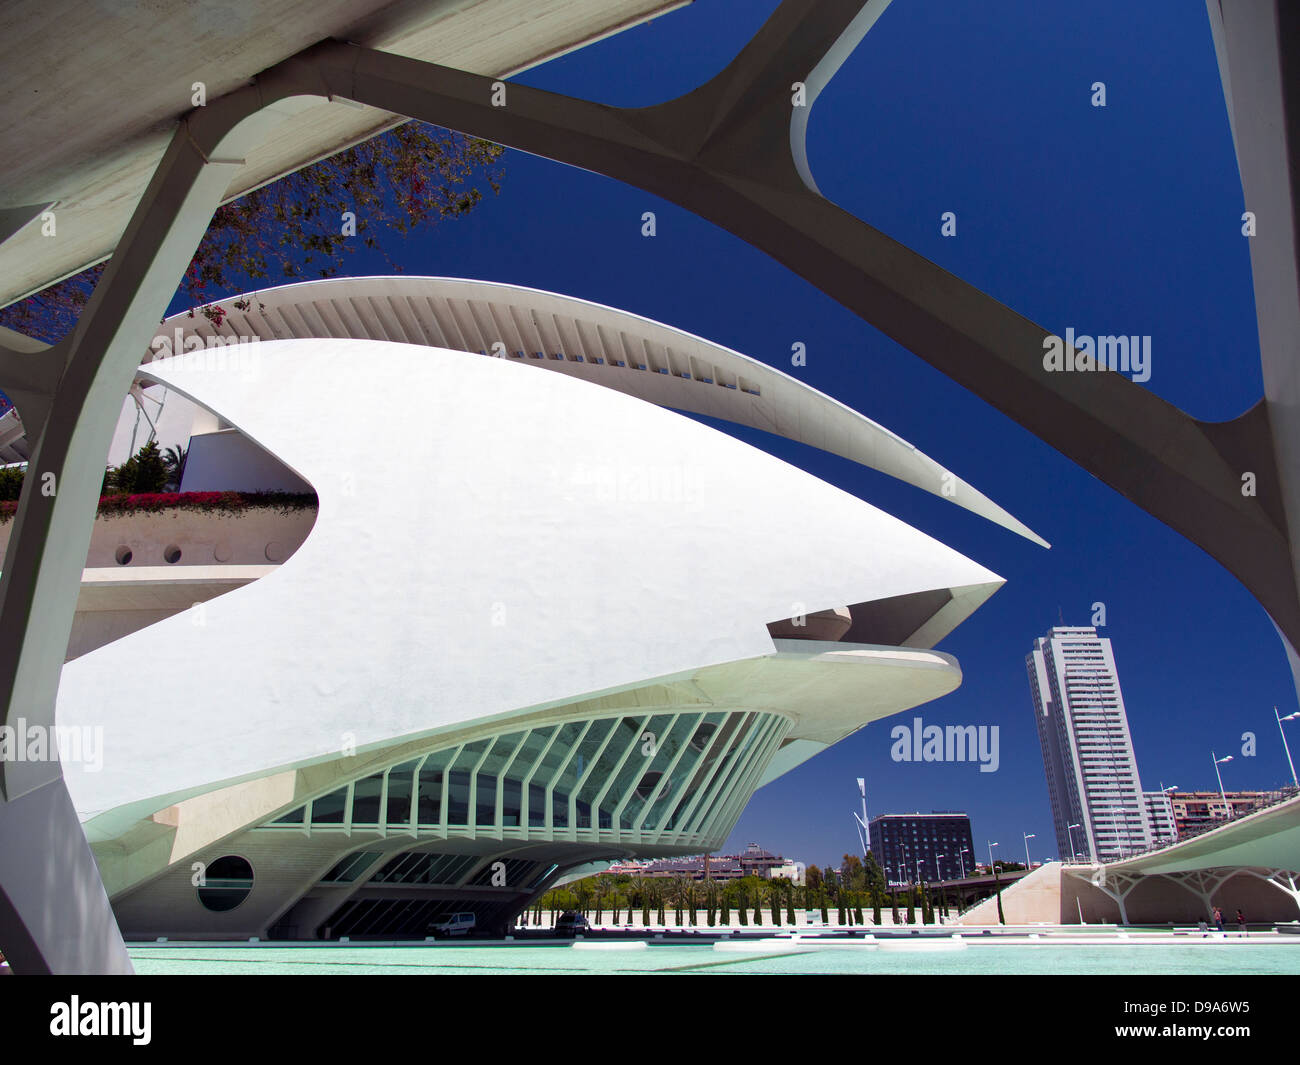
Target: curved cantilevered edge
(617, 349)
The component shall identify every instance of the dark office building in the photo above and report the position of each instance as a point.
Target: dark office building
(900, 841)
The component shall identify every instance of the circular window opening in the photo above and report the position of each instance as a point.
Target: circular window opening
(226, 883)
(172, 554)
(123, 555)
(648, 784)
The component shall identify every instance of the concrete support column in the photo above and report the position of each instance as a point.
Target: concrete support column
(1285, 882)
(55, 916)
(54, 913)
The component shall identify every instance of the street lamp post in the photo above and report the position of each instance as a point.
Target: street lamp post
(1287, 746)
(1222, 794)
(1074, 854)
(996, 884)
(1028, 837)
(1173, 823)
(938, 876)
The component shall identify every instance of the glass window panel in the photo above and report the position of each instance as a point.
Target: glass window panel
(401, 780)
(625, 736)
(459, 781)
(365, 799)
(526, 761)
(559, 754)
(485, 800)
(591, 742)
(392, 869)
(350, 867)
(293, 817)
(429, 801)
(531, 751)
(458, 797)
(470, 754)
(696, 745)
(329, 809)
(743, 745)
(714, 752)
(500, 754)
(511, 803)
(635, 767)
(536, 806)
(653, 781)
(566, 782)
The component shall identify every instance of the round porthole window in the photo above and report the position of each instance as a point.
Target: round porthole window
(226, 883)
(123, 555)
(171, 554)
(648, 784)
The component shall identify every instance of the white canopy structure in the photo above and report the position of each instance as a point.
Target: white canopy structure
(550, 602)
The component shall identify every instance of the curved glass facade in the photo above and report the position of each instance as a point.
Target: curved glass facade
(661, 777)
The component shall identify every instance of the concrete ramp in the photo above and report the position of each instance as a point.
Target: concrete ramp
(1032, 899)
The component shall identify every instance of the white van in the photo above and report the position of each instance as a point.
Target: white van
(458, 924)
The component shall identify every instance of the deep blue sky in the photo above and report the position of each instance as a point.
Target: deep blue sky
(1120, 220)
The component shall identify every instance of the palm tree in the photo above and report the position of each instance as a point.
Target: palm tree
(174, 460)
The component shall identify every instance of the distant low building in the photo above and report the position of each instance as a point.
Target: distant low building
(755, 861)
(1195, 811)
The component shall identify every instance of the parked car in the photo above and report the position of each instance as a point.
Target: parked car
(458, 924)
(570, 923)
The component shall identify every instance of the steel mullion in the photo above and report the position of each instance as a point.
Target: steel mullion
(559, 772)
(672, 800)
(595, 761)
(471, 814)
(525, 811)
(618, 813)
(636, 739)
(688, 815)
(762, 751)
(715, 785)
(667, 775)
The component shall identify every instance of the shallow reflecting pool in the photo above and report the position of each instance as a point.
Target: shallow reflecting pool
(494, 958)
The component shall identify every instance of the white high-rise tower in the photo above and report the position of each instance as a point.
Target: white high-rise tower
(1092, 774)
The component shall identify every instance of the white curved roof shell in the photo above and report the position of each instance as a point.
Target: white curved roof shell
(609, 347)
(482, 558)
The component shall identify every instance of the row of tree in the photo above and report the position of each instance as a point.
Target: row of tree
(148, 470)
(857, 894)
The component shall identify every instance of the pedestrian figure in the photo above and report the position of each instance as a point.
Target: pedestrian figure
(1218, 918)
(1241, 922)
